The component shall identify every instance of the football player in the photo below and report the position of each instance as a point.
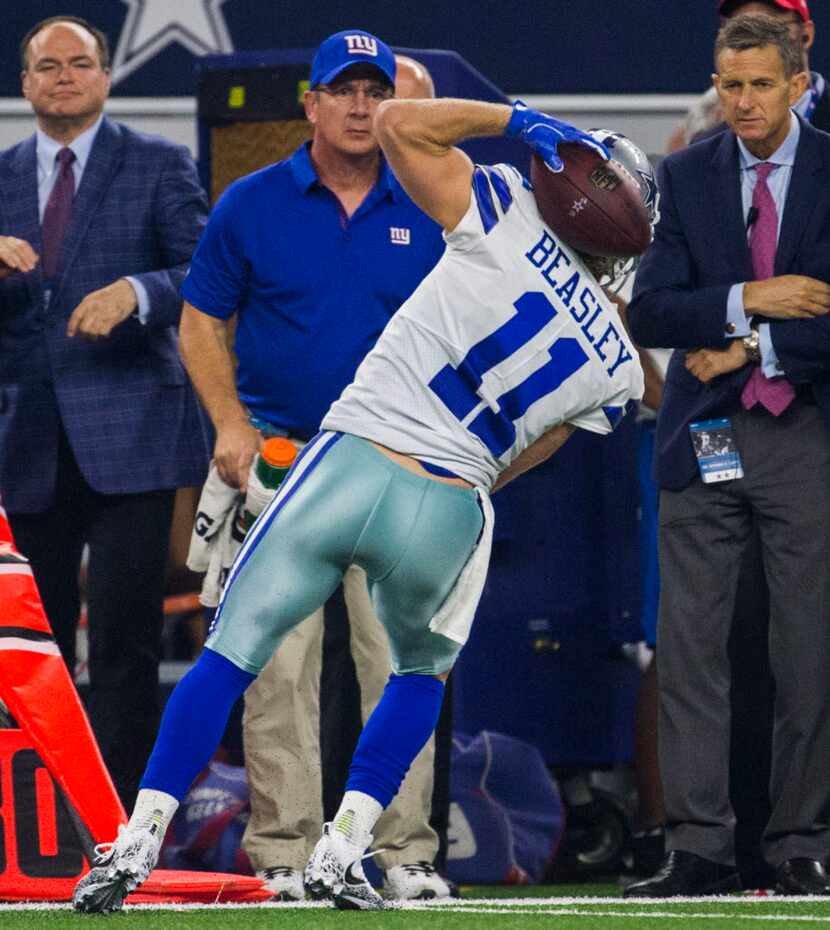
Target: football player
(506, 347)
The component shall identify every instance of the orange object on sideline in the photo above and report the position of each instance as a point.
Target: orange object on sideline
(279, 452)
(210, 887)
(57, 800)
(162, 887)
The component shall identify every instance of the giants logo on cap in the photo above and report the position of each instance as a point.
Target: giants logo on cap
(361, 45)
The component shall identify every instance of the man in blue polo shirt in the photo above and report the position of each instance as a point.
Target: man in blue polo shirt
(313, 254)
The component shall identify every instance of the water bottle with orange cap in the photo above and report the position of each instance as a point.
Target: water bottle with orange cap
(270, 466)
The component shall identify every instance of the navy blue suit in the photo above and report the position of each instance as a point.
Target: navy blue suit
(680, 299)
(125, 402)
(700, 250)
(95, 436)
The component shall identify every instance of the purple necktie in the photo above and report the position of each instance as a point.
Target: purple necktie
(776, 394)
(57, 213)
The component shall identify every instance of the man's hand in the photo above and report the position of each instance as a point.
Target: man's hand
(237, 442)
(16, 255)
(544, 133)
(100, 312)
(787, 297)
(706, 364)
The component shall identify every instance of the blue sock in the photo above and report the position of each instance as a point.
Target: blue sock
(399, 727)
(193, 723)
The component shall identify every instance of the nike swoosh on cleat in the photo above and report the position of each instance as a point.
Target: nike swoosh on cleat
(350, 879)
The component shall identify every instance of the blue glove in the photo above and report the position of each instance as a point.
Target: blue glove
(544, 133)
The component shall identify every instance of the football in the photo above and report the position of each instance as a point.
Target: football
(594, 206)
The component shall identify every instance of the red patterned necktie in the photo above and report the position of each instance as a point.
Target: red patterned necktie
(57, 213)
(776, 394)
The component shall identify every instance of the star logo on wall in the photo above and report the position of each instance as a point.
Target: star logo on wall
(152, 25)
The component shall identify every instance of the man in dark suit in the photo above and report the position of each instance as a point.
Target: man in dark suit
(98, 423)
(814, 104)
(704, 118)
(752, 684)
(736, 282)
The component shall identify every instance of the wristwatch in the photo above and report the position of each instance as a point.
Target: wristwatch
(752, 345)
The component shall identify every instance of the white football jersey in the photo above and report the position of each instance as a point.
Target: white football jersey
(508, 336)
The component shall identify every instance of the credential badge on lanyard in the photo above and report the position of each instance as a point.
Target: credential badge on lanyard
(717, 455)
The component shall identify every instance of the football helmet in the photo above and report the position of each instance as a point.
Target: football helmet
(633, 160)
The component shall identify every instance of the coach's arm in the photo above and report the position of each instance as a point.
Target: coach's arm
(205, 350)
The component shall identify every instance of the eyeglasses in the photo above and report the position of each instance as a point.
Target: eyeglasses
(348, 92)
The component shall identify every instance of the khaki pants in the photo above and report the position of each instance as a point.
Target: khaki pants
(281, 728)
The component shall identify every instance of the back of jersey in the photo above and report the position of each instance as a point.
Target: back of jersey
(508, 336)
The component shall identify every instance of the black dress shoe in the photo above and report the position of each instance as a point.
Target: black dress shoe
(802, 876)
(686, 874)
(648, 852)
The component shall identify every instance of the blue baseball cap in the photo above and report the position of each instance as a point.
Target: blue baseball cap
(347, 48)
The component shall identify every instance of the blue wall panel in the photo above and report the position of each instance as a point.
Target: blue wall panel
(543, 661)
(582, 46)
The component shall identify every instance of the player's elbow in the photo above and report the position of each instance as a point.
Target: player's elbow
(391, 122)
(405, 123)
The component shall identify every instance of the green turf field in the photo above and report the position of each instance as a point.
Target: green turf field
(591, 908)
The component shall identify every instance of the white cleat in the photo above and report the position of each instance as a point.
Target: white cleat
(335, 871)
(119, 868)
(417, 881)
(285, 883)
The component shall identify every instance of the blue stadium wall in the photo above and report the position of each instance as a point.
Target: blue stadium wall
(581, 46)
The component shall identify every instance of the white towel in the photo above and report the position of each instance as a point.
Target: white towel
(454, 617)
(217, 500)
(216, 538)
(224, 547)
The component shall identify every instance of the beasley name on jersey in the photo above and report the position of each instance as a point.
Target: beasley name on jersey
(509, 335)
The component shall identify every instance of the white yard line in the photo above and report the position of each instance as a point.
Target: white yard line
(567, 906)
(758, 900)
(654, 914)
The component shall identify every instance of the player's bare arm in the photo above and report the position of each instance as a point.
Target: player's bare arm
(418, 139)
(540, 451)
(208, 360)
